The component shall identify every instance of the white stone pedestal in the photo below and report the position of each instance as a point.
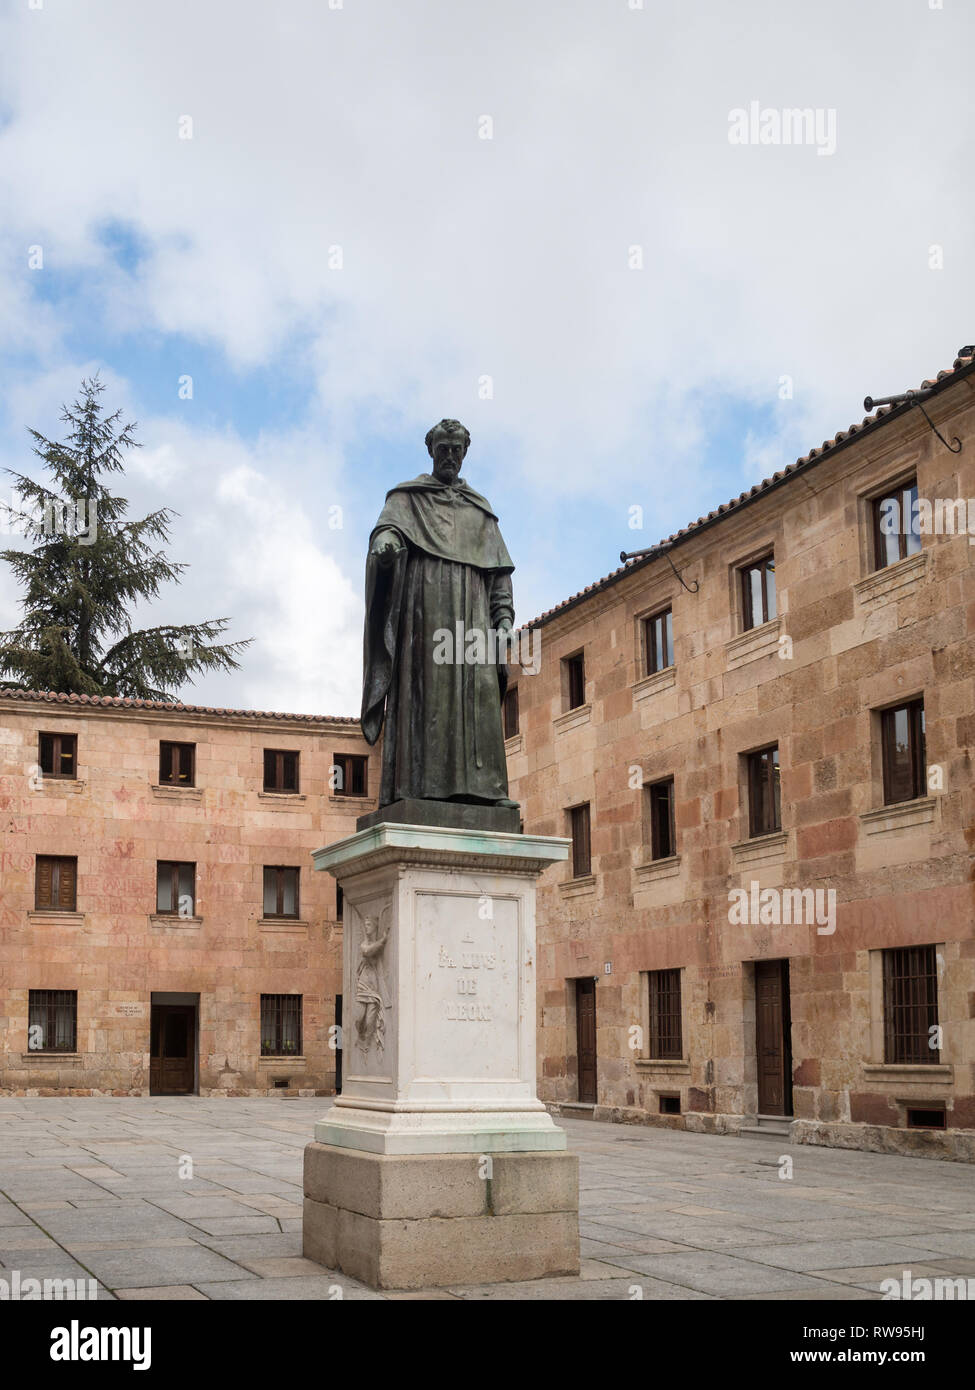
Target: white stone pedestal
(439, 1019)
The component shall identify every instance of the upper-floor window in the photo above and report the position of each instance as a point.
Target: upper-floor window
(896, 527)
(758, 592)
(911, 1005)
(280, 770)
(280, 892)
(666, 1041)
(339, 902)
(510, 711)
(52, 1017)
(55, 883)
(902, 739)
(579, 829)
(57, 755)
(658, 642)
(175, 888)
(764, 795)
(349, 774)
(573, 681)
(660, 810)
(280, 1025)
(177, 764)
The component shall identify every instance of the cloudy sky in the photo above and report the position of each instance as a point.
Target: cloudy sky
(346, 220)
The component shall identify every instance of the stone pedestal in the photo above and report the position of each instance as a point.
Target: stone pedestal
(438, 1163)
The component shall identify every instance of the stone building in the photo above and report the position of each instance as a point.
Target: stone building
(161, 927)
(761, 743)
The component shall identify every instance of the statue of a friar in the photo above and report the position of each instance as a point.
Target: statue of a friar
(437, 565)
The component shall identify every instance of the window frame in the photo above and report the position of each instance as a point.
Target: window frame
(69, 998)
(57, 862)
(277, 788)
(175, 752)
(574, 680)
(651, 789)
(345, 761)
(764, 788)
(766, 564)
(509, 703)
(916, 750)
(57, 755)
(280, 870)
(580, 817)
(909, 1046)
(652, 663)
(665, 1017)
(893, 491)
(276, 1025)
(174, 865)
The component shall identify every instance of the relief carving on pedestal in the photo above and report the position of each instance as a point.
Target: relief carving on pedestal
(372, 995)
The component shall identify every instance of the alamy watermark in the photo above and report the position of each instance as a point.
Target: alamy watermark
(474, 646)
(942, 516)
(756, 906)
(77, 519)
(792, 125)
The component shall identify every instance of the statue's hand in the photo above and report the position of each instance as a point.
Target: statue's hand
(504, 625)
(386, 547)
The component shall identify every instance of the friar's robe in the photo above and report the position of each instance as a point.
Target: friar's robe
(443, 736)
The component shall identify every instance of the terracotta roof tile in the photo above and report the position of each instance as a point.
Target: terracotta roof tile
(53, 697)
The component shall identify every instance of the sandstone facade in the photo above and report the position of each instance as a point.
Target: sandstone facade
(848, 642)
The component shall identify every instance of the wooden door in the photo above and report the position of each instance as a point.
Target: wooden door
(172, 1059)
(773, 1027)
(586, 1039)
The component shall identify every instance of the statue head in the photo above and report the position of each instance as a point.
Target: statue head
(447, 444)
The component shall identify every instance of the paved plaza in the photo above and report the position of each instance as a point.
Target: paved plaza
(92, 1188)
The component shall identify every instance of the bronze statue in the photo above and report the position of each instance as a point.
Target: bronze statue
(438, 599)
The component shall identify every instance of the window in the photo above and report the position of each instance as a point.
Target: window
(55, 883)
(902, 738)
(280, 770)
(280, 1025)
(579, 830)
(666, 1042)
(175, 888)
(764, 797)
(52, 1020)
(658, 642)
(339, 902)
(349, 775)
(58, 755)
(177, 764)
(280, 892)
(758, 593)
(660, 806)
(911, 1005)
(510, 711)
(896, 527)
(574, 681)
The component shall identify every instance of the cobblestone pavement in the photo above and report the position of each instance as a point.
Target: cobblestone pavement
(91, 1188)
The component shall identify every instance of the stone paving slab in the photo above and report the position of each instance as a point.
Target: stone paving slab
(91, 1188)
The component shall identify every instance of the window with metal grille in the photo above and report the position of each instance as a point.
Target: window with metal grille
(579, 829)
(175, 888)
(666, 1040)
(57, 755)
(510, 711)
(902, 738)
(574, 681)
(53, 1020)
(896, 525)
(758, 592)
(177, 764)
(911, 1005)
(280, 770)
(280, 892)
(55, 883)
(658, 642)
(280, 1025)
(764, 793)
(660, 809)
(349, 775)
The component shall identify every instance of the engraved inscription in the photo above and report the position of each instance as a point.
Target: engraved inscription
(467, 984)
